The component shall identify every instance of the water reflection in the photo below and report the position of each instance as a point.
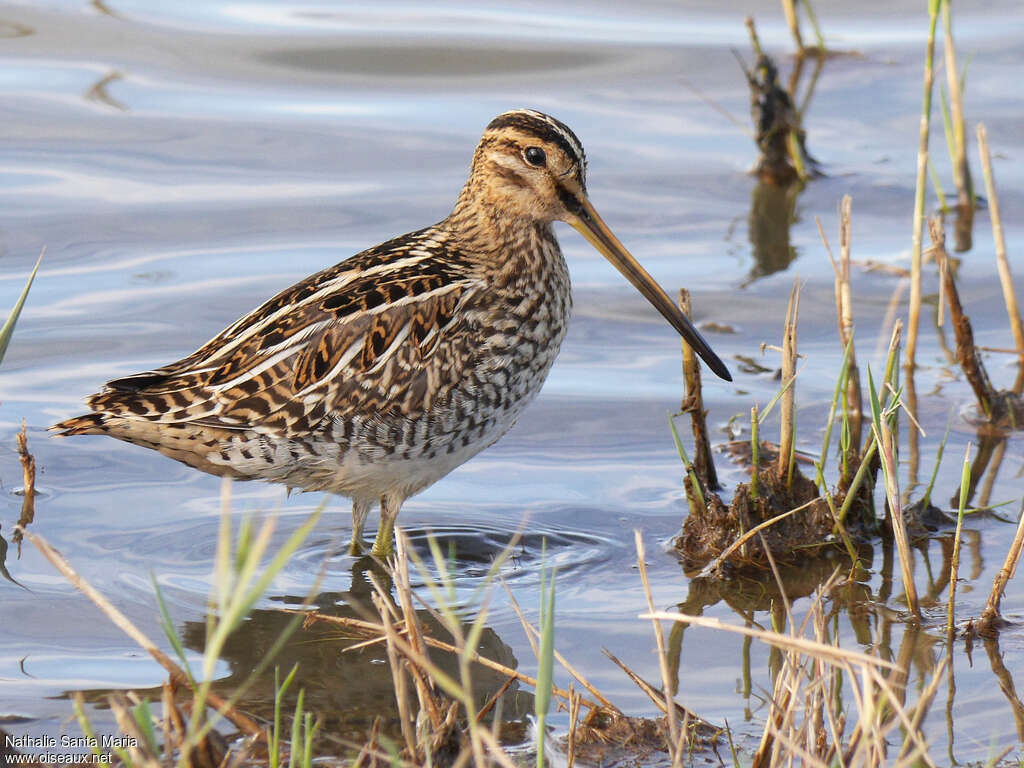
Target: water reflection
(11, 29)
(746, 595)
(784, 165)
(100, 92)
(347, 681)
(988, 458)
(1005, 681)
(3, 564)
(772, 214)
(917, 649)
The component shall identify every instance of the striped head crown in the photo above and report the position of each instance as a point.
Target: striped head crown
(528, 165)
(529, 123)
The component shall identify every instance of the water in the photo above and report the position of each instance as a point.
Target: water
(182, 162)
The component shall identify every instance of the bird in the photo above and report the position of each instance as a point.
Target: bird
(374, 378)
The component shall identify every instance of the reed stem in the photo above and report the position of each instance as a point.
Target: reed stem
(961, 169)
(919, 193)
(787, 427)
(954, 568)
(1005, 278)
(755, 459)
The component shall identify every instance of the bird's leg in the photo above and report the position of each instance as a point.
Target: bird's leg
(383, 544)
(360, 509)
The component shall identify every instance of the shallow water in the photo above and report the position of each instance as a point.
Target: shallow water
(181, 162)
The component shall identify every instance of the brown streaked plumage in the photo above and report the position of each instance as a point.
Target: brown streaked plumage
(376, 377)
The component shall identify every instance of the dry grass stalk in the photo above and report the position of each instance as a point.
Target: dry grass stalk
(807, 722)
(991, 621)
(657, 698)
(997, 406)
(1005, 278)
(675, 744)
(476, 658)
(178, 677)
(954, 566)
(532, 635)
(888, 454)
(789, 11)
(787, 406)
(854, 404)
(852, 397)
(574, 718)
(919, 193)
(434, 724)
(832, 654)
(693, 403)
(913, 436)
(28, 470)
(961, 168)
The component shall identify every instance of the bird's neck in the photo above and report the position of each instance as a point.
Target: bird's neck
(504, 242)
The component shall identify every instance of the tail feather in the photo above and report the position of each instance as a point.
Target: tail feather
(89, 424)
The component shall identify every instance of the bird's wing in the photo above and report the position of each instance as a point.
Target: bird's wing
(383, 331)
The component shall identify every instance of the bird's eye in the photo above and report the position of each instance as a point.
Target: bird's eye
(535, 156)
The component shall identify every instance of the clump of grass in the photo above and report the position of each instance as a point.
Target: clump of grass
(883, 423)
(776, 487)
(784, 516)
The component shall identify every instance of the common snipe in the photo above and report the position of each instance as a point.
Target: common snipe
(378, 376)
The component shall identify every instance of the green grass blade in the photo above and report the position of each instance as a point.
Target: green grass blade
(143, 716)
(755, 457)
(938, 460)
(296, 744)
(841, 381)
(86, 725)
(8, 327)
(687, 464)
(546, 656)
(779, 394)
(876, 406)
(277, 563)
(965, 482)
(167, 625)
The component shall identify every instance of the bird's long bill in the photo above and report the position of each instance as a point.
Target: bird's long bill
(585, 219)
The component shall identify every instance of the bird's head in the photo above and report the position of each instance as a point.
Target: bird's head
(530, 166)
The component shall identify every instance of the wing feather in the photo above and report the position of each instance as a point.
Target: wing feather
(359, 337)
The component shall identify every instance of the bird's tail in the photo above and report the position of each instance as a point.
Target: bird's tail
(89, 424)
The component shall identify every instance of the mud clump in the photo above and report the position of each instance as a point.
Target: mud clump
(709, 531)
(608, 737)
